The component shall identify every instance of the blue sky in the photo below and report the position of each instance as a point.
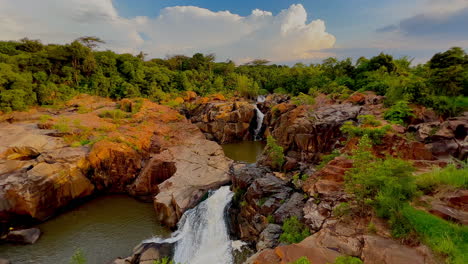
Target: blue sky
(283, 31)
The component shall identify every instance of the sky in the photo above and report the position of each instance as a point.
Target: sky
(282, 31)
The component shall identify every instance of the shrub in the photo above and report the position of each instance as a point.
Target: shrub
(44, 119)
(327, 158)
(293, 231)
(303, 99)
(399, 113)
(275, 152)
(302, 260)
(62, 125)
(347, 260)
(114, 114)
(341, 209)
(384, 184)
(78, 257)
(164, 260)
(369, 127)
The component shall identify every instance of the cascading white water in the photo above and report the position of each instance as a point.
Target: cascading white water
(202, 236)
(260, 116)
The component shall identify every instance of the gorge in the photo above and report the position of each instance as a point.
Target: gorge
(156, 154)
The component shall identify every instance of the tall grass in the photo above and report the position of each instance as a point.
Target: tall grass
(449, 175)
(443, 237)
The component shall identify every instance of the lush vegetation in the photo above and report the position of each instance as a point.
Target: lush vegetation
(293, 231)
(339, 260)
(368, 126)
(443, 237)
(32, 73)
(275, 152)
(449, 175)
(388, 186)
(78, 257)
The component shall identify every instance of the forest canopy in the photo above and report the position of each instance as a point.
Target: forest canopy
(32, 73)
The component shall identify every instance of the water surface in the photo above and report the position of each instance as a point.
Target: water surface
(248, 151)
(104, 229)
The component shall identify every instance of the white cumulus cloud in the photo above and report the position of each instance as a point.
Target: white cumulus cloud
(177, 30)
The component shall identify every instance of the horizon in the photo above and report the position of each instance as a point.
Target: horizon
(283, 32)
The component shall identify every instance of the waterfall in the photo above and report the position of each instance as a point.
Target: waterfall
(202, 235)
(260, 116)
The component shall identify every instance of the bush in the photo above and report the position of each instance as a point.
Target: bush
(293, 231)
(275, 152)
(399, 113)
(164, 260)
(303, 99)
(384, 184)
(302, 260)
(78, 257)
(327, 158)
(369, 127)
(114, 114)
(449, 175)
(347, 260)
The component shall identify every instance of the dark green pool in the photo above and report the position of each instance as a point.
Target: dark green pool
(247, 151)
(104, 229)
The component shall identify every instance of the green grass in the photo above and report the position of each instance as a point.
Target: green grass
(443, 237)
(114, 114)
(449, 175)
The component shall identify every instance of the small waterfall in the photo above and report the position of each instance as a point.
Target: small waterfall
(202, 235)
(260, 116)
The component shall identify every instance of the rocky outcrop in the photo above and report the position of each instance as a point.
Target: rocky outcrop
(444, 139)
(150, 151)
(342, 239)
(38, 173)
(148, 253)
(199, 165)
(223, 121)
(304, 132)
(24, 236)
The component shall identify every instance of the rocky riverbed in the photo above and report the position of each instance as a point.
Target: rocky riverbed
(51, 158)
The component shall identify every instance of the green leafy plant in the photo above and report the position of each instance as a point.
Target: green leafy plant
(302, 260)
(78, 257)
(164, 260)
(116, 114)
(327, 158)
(275, 152)
(293, 231)
(368, 128)
(347, 260)
(303, 99)
(399, 113)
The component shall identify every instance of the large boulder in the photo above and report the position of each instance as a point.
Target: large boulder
(198, 166)
(39, 173)
(269, 238)
(224, 121)
(444, 139)
(24, 236)
(305, 132)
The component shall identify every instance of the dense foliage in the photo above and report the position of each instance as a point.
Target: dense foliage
(32, 73)
(293, 231)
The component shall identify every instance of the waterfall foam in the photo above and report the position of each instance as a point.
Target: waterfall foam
(260, 116)
(202, 235)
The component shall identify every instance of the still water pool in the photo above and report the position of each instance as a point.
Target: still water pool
(248, 151)
(103, 229)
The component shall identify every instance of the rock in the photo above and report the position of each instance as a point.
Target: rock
(449, 213)
(446, 138)
(458, 199)
(342, 238)
(316, 212)
(290, 253)
(200, 165)
(24, 236)
(269, 238)
(329, 180)
(305, 132)
(225, 121)
(380, 250)
(48, 183)
(266, 194)
(244, 174)
(4, 261)
(292, 207)
(149, 252)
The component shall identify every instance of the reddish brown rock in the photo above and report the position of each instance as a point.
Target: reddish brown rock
(378, 250)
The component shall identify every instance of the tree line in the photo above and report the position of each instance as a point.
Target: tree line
(32, 73)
